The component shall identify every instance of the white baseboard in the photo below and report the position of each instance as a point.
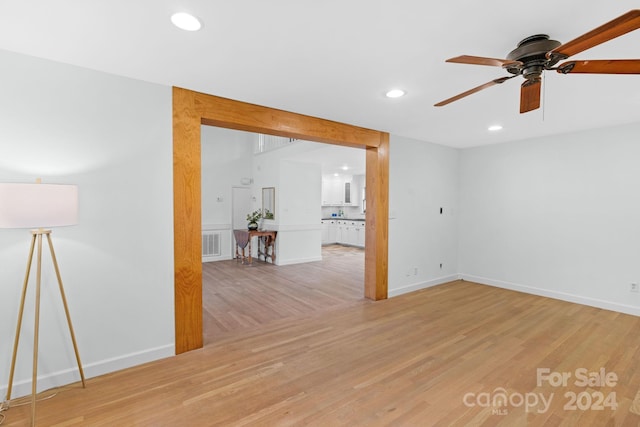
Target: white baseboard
(68, 376)
(422, 285)
(292, 227)
(225, 257)
(297, 260)
(563, 296)
(210, 226)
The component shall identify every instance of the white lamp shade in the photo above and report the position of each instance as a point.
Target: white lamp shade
(38, 205)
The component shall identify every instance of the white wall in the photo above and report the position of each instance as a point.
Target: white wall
(300, 185)
(112, 137)
(227, 159)
(266, 173)
(423, 178)
(556, 216)
(300, 232)
(297, 216)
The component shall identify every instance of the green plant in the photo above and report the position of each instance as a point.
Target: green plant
(257, 214)
(254, 216)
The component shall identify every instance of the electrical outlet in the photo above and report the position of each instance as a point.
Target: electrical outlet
(633, 287)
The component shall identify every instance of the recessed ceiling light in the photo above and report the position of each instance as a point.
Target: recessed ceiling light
(495, 128)
(396, 93)
(345, 168)
(336, 174)
(185, 21)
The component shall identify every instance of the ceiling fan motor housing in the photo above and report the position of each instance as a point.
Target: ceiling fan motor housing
(537, 53)
(532, 52)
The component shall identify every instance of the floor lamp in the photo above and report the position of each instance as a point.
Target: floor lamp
(38, 206)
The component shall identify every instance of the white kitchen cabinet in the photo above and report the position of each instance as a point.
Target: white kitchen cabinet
(360, 233)
(348, 200)
(343, 232)
(351, 238)
(339, 191)
(329, 232)
(357, 185)
(332, 232)
(355, 233)
(325, 232)
(332, 192)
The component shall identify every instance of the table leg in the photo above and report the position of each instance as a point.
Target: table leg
(258, 252)
(272, 242)
(262, 247)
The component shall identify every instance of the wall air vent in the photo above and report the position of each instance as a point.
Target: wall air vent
(211, 243)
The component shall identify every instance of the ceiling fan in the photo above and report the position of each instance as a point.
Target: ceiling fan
(538, 53)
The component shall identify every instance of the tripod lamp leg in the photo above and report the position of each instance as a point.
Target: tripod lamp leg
(20, 313)
(66, 309)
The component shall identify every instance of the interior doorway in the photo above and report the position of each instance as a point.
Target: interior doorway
(235, 167)
(240, 205)
(190, 111)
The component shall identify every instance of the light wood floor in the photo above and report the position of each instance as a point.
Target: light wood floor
(411, 360)
(238, 297)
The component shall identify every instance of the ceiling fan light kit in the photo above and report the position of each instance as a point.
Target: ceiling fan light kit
(538, 53)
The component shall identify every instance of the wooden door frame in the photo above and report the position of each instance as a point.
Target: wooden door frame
(193, 109)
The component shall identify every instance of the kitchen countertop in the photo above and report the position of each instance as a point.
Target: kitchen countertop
(342, 219)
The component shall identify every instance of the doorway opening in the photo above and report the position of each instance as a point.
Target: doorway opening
(308, 281)
(190, 111)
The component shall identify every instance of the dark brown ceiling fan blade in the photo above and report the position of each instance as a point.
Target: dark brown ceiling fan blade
(623, 24)
(530, 95)
(480, 60)
(601, 66)
(474, 90)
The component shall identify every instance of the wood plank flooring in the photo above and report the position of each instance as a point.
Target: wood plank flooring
(437, 357)
(239, 297)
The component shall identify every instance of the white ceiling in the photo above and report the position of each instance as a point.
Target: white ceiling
(334, 159)
(335, 59)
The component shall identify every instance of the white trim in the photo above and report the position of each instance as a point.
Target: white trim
(217, 258)
(216, 227)
(298, 261)
(291, 227)
(563, 296)
(422, 285)
(68, 376)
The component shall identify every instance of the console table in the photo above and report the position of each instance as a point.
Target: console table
(266, 244)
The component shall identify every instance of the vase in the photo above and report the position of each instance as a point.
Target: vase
(252, 226)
